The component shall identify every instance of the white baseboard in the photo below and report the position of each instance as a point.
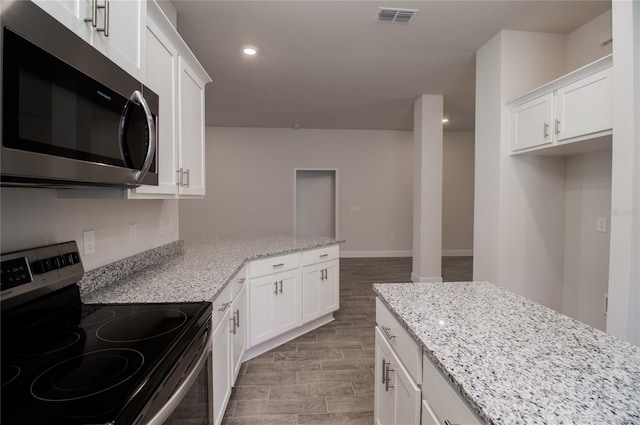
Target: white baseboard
(416, 278)
(457, 253)
(374, 254)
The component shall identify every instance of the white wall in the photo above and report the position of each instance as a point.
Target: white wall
(457, 194)
(250, 174)
(35, 217)
(583, 44)
(586, 251)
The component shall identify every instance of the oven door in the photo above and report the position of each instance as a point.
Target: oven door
(186, 392)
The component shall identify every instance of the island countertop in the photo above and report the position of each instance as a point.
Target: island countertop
(199, 274)
(515, 361)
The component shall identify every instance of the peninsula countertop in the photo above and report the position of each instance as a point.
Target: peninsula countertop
(518, 362)
(200, 273)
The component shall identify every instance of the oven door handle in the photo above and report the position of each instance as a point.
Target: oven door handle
(177, 396)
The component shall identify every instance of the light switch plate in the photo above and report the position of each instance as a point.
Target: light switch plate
(89, 242)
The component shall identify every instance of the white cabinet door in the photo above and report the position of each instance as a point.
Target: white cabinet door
(320, 290)
(384, 404)
(238, 323)
(117, 31)
(407, 395)
(162, 60)
(221, 362)
(584, 107)
(191, 130)
(274, 305)
(532, 123)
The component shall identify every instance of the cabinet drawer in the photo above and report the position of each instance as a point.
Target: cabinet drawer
(273, 265)
(320, 254)
(406, 348)
(221, 304)
(444, 401)
(238, 281)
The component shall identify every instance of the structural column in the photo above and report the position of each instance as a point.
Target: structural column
(427, 189)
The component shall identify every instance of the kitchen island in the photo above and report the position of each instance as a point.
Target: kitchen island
(515, 361)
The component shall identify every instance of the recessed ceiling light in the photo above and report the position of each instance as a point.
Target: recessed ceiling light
(249, 50)
(445, 120)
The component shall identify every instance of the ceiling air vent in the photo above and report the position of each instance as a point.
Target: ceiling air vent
(401, 16)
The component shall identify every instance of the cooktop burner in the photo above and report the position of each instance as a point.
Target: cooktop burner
(142, 325)
(9, 373)
(87, 374)
(47, 344)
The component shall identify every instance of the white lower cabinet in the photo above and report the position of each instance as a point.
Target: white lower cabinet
(221, 365)
(397, 396)
(238, 324)
(320, 289)
(274, 304)
(442, 403)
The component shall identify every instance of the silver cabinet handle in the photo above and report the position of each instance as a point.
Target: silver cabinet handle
(281, 287)
(387, 384)
(242, 280)
(278, 265)
(233, 323)
(94, 14)
(179, 179)
(236, 318)
(545, 131)
(276, 290)
(324, 255)
(384, 370)
(105, 22)
(224, 306)
(188, 173)
(447, 422)
(556, 126)
(387, 333)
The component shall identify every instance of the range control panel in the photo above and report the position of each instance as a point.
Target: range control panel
(51, 266)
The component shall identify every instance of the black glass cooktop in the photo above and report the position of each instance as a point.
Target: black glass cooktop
(90, 364)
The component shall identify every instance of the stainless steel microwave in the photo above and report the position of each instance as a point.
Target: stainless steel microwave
(70, 116)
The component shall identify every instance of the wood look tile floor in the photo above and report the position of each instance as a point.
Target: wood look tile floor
(326, 376)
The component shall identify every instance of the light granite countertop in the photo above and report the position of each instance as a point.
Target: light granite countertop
(515, 361)
(198, 274)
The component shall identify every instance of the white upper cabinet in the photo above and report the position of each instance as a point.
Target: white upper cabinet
(177, 77)
(574, 108)
(114, 27)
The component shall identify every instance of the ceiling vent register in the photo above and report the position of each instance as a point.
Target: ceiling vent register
(400, 16)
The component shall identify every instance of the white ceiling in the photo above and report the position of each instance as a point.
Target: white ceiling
(326, 64)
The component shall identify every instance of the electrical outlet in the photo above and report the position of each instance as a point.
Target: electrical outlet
(132, 233)
(601, 225)
(89, 242)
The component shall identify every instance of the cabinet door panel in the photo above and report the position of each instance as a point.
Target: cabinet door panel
(221, 368)
(191, 130)
(262, 304)
(407, 395)
(585, 106)
(238, 337)
(329, 288)
(310, 289)
(162, 61)
(288, 311)
(384, 403)
(532, 123)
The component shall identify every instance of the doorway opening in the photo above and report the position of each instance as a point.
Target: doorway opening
(316, 202)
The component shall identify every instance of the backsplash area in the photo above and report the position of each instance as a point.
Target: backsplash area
(34, 217)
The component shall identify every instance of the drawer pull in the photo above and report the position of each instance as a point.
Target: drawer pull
(278, 265)
(236, 319)
(233, 323)
(384, 371)
(241, 280)
(281, 287)
(276, 290)
(324, 255)
(387, 333)
(224, 307)
(387, 384)
(447, 422)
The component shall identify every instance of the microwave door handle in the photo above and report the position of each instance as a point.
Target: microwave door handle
(151, 150)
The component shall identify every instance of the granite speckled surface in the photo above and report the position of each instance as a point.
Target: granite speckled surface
(515, 361)
(199, 274)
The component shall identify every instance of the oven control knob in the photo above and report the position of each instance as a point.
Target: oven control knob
(58, 262)
(72, 258)
(41, 266)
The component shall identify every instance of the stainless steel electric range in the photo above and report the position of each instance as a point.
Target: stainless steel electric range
(65, 362)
